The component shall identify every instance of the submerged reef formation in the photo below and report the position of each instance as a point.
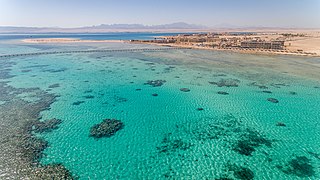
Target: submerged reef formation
(46, 126)
(200, 109)
(227, 131)
(235, 171)
(268, 92)
(171, 145)
(245, 140)
(313, 154)
(249, 141)
(155, 83)
(54, 85)
(5, 69)
(273, 100)
(298, 166)
(78, 103)
(281, 124)
(20, 149)
(88, 97)
(107, 128)
(119, 99)
(222, 93)
(226, 83)
(292, 93)
(53, 171)
(258, 85)
(279, 85)
(184, 89)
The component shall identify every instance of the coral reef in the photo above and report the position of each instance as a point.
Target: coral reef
(226, 83)
(249, 141)
(54, 85)
(268, 92)
(170, 145)
(107, 128)
(20, 149)
(46, 126)
(78, 103)
(222, 93)
(299, 166)
(155, 83)
(281, 124)
(273, 100)
(258, 85)
(88, 97)
(184, 89)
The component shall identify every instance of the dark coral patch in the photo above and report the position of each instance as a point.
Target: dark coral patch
(241, 172)
(88, 91)
(279, 85)
(222, 93)
(78, 103)
(268, 92)
(119, 99)
(238, 172)
(170, 145)
(34, 147)
(155, 83)
(184, 89)
(281, 124)
(154, 94)
(292, 93)
(258, 85)
(54, 85)
(55, 70)
(299, 166)
(54, 171)
(244, 147)
(89, 97)
(46, 126)
(107, 128)
(249, 141)
(226, 83)
(273, 100)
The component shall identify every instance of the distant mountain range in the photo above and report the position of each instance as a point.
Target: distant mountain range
(180, 26)
(173, 27)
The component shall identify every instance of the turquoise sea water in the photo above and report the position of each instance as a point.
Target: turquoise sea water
(167, 136)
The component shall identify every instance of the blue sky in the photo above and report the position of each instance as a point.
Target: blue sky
(75, 13)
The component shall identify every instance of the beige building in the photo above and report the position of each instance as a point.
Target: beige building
(263, 44)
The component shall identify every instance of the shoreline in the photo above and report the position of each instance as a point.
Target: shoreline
(236, 50)
(231, 49)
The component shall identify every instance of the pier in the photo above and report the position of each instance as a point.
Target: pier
(91, 51)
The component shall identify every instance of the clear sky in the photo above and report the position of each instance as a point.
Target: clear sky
(75, 13)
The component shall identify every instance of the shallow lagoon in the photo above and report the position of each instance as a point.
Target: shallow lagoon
(197, 134)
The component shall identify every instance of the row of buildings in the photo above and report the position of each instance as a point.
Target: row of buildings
(222, 40)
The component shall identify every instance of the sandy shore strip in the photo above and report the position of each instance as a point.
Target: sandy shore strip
(68, 40)
(239, 50)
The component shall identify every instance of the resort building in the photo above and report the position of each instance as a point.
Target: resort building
(263, 44)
